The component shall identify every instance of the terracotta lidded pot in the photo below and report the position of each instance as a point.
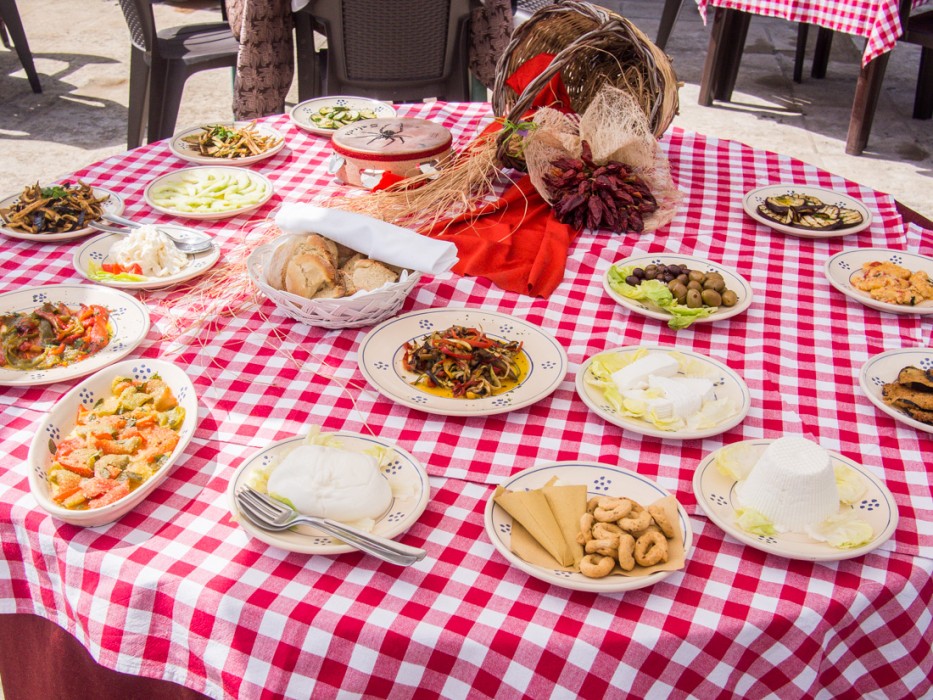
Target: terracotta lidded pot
(377, 152)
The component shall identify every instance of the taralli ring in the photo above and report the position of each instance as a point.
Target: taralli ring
(626, 551)
(596, 565)
(606, 531)
(660, 517)
(609, 510)
(637, 521)
(592, 503)
(608, 548)
(651, 549)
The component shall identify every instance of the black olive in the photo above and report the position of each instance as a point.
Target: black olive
(639, 273)
(632, 280)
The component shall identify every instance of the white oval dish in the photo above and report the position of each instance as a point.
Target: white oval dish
(382, 349)
(404, 473)
(727, 382)
(190, 153)
(883, 369)
(61, 419)
(129, 319)
(97, 250)
(301, 113)
(844, 268)
(203, 175)
(601, 480)
(751, 201)
(734, 281)
(113, 205)
(715, 494)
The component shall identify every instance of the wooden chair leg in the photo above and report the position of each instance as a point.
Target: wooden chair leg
(733, 58)
(824, 42)
(668, 17)
(803, 29)
(18, 36)
(867, 91)
(923, 102)
(715, 56)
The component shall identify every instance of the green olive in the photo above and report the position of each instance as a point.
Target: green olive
(679, 291)
(711, 297)
(694, 300)
(682, 278)
(729, 298)
(696, 276)
(715, 284)
(694, 284)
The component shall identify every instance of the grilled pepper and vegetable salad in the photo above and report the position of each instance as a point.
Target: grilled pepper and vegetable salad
(465, 361)
(52, 336)
(116, 445)
(56, 209)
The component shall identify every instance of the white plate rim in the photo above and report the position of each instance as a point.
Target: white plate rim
(185, 154)
(866, 382)
(209, 258)
(821, 551)
(119, 508)
(512, 400)
(821, 193)
(645, 428)
(118, 348)
(114, 205)
(655, 312)
(207, 216)
(292, 541)
(841, 280)
(576, 581)
(322, 101)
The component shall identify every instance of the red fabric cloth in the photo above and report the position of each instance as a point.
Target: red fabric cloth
(554, 94)
(514, 241)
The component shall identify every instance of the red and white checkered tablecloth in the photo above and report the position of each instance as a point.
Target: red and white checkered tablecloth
(175, 590)
(877, 21)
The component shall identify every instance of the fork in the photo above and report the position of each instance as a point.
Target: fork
(270, 514)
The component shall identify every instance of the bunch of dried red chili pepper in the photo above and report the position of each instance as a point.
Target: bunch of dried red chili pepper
(608, 196)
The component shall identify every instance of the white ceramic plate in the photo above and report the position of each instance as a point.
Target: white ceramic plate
(404, 473)
(844, 268)
(189, 152)
(727, 383)
(755, 197)
(883, 369)
(600, 480)
(113, 205)
(61, 419)
(734, 281)
(239, 178)
(129, 319)
(97, 250)
(301, 113)
(382, 350)
(716, 495)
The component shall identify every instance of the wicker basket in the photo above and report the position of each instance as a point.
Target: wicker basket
(348, 312)
(592, 46)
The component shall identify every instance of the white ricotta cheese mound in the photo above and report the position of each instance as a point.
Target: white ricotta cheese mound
(329, 482)
(152, 250)
(635, 375)
(792, 484)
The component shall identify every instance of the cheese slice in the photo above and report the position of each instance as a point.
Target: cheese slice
(635, 375)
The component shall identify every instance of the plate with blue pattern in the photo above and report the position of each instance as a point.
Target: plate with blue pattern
(600, 480)
(884, 369)
(129, 324)
(97, 251)
(405, 474)
(382, 353)
(845, 271)
(716, 494)
(304, 114)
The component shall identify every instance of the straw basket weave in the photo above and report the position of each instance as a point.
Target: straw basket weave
(593, 47)
(348, 312)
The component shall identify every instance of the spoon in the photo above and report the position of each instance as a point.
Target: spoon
(186, 240)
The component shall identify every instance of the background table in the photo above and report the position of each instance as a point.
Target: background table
(177, 591)
(878, 21)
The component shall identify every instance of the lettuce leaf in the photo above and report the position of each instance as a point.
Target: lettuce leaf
(849, 483)
(657, 293)
(843, 531)
(754, 522)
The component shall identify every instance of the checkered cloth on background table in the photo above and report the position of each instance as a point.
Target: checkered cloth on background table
(176, 590)
(878, 21)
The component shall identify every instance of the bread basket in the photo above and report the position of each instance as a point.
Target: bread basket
(363, 309)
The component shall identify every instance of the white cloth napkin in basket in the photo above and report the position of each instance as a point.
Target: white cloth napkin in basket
(375, 239)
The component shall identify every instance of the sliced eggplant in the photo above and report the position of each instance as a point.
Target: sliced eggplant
(781, 204)
(805, 211)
